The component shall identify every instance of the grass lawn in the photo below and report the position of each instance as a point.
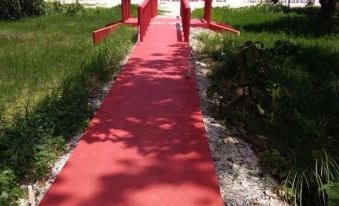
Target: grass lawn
(37, 54)
(268, 25)
(287, 76)
(49, 70)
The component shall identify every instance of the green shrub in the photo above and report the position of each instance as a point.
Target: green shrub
(333, 193)
(274, 163)
(280, 79)
(328, 10)
(9, 190)
(17, 9)
(10, 9)
(71, 9)
(74, 8)
(276, 93)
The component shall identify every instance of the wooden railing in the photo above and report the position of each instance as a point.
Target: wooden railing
(147, 10)
(185, 13)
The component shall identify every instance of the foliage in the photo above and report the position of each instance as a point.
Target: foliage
(31, 142)
(71, 9)
(274, 162)
(327, 9)
(333, 193)
(283, 86)
(8, 188)
(52, 46)
(17, 9)
(274, 19)
(42, 112)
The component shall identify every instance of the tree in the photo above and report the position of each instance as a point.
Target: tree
(327, 9)
(17, 9)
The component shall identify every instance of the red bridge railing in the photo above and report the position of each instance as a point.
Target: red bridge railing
(147, 10)
(185, 13)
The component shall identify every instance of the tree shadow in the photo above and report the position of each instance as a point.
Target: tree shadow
(296, 21)
(289, 25)
(147, 143)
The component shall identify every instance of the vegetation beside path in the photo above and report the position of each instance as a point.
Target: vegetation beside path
(48, 72)
(279, 83)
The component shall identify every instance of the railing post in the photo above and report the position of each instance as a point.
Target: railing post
(146, 11)
(188, 24)
(129, 9)
(208, 11)
(123, 13)
(181, 8)
(140, 21)
(156, 8)
(185, 13)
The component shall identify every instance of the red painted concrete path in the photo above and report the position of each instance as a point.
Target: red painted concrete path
(147, 144)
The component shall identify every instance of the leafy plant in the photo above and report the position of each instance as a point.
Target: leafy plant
(332, 191)
(327, 9)
(274, 163)
(17, 9)
(275, 93)
(309, 184)
(71, 9)
(74, 8)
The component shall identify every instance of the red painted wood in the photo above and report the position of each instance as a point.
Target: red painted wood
(199, 23)
(125, 10)
(214, 26)
(222, 27)
(147, 10)
(102, 33)
(208, 11)
(111, 24)
(132, 22)
(185, 12)
(146, 145)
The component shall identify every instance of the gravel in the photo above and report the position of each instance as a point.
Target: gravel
(240, 178)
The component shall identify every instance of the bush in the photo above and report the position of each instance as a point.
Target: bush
(71, 9)
(9, 190)
(279, 79)
(327, 9)
(280, 93)
(74, 8)
(17, 9)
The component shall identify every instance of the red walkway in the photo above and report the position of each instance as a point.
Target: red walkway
(147, 145)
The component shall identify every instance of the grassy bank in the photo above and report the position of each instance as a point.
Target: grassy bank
(37, 54)
(48, 71)
(278, 81)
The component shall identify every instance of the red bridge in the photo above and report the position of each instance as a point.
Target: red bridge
(146, 145)
(149, 9)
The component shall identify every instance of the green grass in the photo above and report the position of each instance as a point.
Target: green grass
(49, 69)
(294, 98)
(37, 54)
(267, 24)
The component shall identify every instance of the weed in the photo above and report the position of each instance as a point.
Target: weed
(281, 82)
(47, 92)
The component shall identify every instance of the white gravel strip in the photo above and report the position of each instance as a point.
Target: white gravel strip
(240, 178)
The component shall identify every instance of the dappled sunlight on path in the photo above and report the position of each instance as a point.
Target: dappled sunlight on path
(147, 144)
